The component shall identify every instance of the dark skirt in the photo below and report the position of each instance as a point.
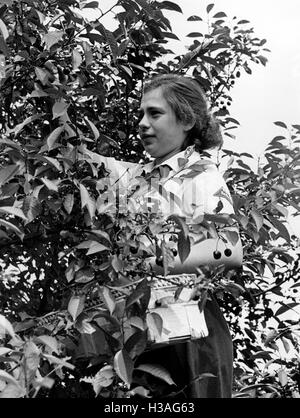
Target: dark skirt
(186, 362)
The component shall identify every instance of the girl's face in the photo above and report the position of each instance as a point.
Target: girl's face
(161, 133)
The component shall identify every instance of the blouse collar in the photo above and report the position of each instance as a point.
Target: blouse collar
(176, 161)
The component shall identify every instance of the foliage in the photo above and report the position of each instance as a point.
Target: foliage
(71, 90)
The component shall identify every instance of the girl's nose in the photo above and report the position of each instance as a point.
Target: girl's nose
(144, 123)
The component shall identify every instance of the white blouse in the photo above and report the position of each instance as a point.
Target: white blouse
(192, 186)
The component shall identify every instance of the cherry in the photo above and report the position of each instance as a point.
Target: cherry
(159, 261)
(228, 252)
(217, 255)
(133, 250)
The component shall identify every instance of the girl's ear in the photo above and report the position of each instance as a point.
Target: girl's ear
(188, 126)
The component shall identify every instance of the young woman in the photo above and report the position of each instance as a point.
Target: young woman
(175, 129)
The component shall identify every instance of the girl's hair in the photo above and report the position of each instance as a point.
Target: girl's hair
(189, 103)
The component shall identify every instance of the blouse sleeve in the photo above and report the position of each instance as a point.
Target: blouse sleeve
(118, 170)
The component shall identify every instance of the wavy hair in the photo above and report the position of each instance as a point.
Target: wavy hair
(189, 103)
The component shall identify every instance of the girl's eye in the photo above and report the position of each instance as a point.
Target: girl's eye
(155, 113)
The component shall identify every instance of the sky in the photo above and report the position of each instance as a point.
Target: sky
(270, 93)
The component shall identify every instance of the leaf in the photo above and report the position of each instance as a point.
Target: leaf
(286, 344)
(117, 264)
(108, 298)
(76, 59)
(101, 234)
(13, 211)
(38, 93)
(8, 172)
(266, 355)
(76, 306)
(13, 227)
(262, 59)
(141, 290)
(258, 219)
(109, 141)
(169, 5)
(103, 379)
(158, 371)
(87, 201)
(96, 247)
(281, 228)
(41, 16)
(188, 57)
(181, 224)
(51, 185)
(283, 377)
(194, 18)
(209, 7)
(88, 55)
(124, 366)
(110, 39)
(232, 236)
(49, 341)
(281, 124)
(147, 8)
(10, 143)
(84, 275)
(281, 209)
(12, 391)
(5, 52)
(45, 382)
(220, 14)
(194, 35)
(170, 35)
(52, 38)
(6, 377)
(52, 161)
(31, 207)
(4, 351)
(91, 5)
(137, 343)
(60, 362)
(60, 108)
(168, 257)
(235, 289)
(52, 138)
(31, 360)
(42, 75)
(140, 391)
(68, 202)
(3, 30)
(155, 325)
(285, 307)
(92, 128)
(184, 247)
(238, 123)
(6, 327)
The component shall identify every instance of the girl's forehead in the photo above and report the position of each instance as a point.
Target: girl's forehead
(153, 98)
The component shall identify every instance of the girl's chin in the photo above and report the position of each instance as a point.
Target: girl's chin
(151, 150)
